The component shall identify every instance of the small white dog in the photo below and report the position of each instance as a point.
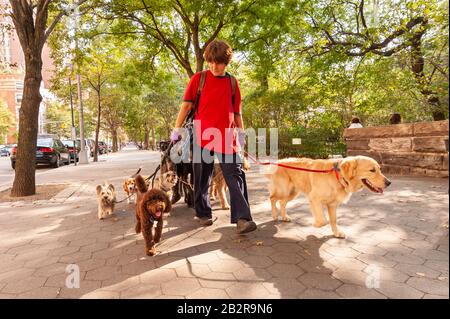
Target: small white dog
(106, 196)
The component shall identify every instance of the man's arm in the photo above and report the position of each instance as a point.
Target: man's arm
(185, 108)
(238, 121)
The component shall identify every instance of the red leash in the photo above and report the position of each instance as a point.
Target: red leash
(335, 168)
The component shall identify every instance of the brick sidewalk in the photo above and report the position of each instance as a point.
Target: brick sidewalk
(397, 242)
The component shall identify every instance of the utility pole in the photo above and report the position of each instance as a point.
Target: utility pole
(73, 131)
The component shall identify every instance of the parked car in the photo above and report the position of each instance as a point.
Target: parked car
(49, 150)
(4, 152)
(102, 147)
(70, 145)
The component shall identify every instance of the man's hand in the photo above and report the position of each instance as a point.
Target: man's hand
(241, 138)
(175, 136)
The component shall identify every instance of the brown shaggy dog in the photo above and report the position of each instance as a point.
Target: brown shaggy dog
(149, 209)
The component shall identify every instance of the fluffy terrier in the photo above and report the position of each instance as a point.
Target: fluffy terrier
(149, 209)
(218, 185)
(106, 196)
(166, 182)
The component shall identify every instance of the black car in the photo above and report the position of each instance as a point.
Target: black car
(5, 152)
(70, 145)
(49, 150)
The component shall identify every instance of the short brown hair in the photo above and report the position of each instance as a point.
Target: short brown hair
(219, 52)
(356, 120)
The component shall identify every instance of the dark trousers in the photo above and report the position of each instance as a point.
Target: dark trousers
(234, 176)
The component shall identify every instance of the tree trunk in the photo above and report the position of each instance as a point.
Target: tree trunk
(24, 181)
(114, 139)
(97, 129)
(153, 139)
(417, 67)
(146, 138)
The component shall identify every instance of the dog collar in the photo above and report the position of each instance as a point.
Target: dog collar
(336, 171)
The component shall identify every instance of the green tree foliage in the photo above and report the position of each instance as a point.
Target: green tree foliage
(6, 120)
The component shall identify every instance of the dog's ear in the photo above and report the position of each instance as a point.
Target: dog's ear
(348, 168)
(98, 189)
(140, 184)
(168, 203)
(111, 186)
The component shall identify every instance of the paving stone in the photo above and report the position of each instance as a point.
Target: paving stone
(17, 274)
(192, 270)
(180, 286)
(102, 273)
(286, 258)
(40, 293)
(218, 280)
(375, 260)
(86, 286)
(438, 265)
(231, 253)
(406, 259)
(284, 287)
(319, 281)
(342, 252)
(63, 251)
(257, 261)
(252, 274)
(243, 290)
(225, 265)
(398, 290)
(317, 265)
(369, 249)
(434, 297)
(285, 270)
(141, 291)
(23, 285)
(204, 258)
(417, 270)
(355, 277)
(101, 294)
(50, 270)
(138, 267)
(347, 263)
(431, 254)
(91, 264)
(208, 293)
(350, 291)
(430, 286)
(157, 276)
(312, 293)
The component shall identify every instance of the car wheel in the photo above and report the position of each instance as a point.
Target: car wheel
(13, 165)
(56, 164)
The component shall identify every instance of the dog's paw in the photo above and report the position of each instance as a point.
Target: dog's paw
(275, 220)
(286, 219)
(151, 251)
(339, 234)
(319, 224)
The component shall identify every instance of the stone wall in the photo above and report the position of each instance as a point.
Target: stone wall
(403, 149)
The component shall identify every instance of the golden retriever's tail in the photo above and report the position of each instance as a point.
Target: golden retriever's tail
(141, 184)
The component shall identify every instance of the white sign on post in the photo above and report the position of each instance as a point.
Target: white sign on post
(73, 133)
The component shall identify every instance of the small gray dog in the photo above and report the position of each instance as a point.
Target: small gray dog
(106, 196)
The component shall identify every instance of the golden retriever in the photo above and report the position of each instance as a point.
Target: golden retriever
(323, 189)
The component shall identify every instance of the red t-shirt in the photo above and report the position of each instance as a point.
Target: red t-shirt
(215, 131)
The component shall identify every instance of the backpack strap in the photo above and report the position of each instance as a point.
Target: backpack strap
(199, 90)
(233, 89)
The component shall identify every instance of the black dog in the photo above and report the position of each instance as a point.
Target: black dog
(184, 172)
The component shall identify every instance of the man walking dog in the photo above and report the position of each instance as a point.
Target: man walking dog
(215, 98)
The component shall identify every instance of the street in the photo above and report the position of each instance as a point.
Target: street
(127, 161)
